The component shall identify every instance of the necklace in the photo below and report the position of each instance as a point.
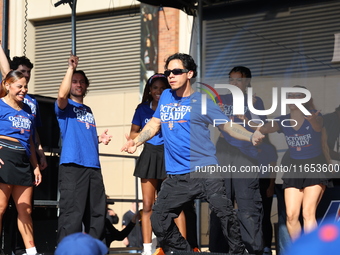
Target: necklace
(179, 102)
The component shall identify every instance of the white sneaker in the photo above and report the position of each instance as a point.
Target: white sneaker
(146, 253)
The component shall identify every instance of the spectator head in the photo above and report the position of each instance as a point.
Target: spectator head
(158, 79)
(323, 240)
(240, 77)
(80, 244)
(22, 64)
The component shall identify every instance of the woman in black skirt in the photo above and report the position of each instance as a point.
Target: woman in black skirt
(17, 151)
(305, 184)
(150, 165)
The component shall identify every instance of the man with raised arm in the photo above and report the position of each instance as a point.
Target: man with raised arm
(82, 193)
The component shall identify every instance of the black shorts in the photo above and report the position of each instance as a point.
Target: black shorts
(301, 177)
(16, 169)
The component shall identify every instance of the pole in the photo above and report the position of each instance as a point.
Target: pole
(73, 5)
(74, 28)
(199, 79)
(4, 39)
(199, 41)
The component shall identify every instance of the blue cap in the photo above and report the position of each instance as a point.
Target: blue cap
(323, 240)
(80, 244)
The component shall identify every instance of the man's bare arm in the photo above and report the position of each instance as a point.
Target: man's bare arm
(4, 64)
(149, 131)
(65, 85)
(240, 133)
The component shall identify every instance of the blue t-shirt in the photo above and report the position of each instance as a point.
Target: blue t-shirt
(142, 116)
(304, 143)
(227, 106)
(79, 135)
(17, 124)
(185, 130)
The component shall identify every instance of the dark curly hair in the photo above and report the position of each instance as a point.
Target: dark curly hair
(187, 61)
(17, 61)
(245, 71)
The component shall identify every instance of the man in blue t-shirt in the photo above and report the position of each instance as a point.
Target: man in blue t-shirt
(189, 152)
(82, 194)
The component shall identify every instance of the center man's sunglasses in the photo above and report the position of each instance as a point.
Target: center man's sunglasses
(176, 71)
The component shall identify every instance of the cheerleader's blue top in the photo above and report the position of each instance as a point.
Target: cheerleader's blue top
(141, 117)
(17, 124)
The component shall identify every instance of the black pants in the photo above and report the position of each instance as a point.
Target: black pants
(82, 200)
(190, 220)
(246, 192)
(176, 190)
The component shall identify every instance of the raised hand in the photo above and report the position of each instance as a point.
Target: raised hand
(312, 117)
(73, 61)
(104, 137)
(129, 146)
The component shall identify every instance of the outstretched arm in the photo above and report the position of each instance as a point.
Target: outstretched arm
(134, 131)
(269, 127)
(65, 85)
(240, 133)
(149, 131)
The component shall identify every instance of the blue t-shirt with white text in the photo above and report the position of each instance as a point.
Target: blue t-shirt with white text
(185, 130)
(79, 135)
(17, 124)
(303, 143)
(141, 117)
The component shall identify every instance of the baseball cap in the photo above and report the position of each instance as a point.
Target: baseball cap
(80, 244)
(323, 240)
